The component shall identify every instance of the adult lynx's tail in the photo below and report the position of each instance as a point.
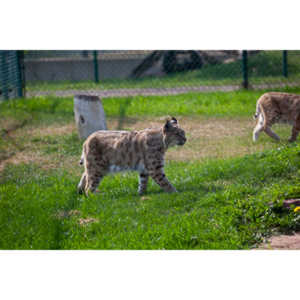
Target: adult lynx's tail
(258, 111)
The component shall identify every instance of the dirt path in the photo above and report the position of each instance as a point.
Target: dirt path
(155, 91)
(133, 92)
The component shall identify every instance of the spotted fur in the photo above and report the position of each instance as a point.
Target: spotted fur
(142, 151)
(276, 107)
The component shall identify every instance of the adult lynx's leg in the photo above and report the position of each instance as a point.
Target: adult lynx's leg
(266, 118)
(270, 120)
(295, 130)
(271, 133)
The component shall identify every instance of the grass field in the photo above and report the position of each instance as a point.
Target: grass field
(225, 182)
(265, 67)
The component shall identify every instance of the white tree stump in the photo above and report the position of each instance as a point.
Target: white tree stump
(89, 115)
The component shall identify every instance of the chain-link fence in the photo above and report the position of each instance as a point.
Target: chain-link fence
(11, 74)
(123, 73)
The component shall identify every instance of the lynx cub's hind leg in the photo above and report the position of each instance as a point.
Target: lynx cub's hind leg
(95, 171)
(259, 127)
(143, 180)
(92, 183)
(82, 183)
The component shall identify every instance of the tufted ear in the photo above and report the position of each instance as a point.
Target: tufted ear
(174, 121)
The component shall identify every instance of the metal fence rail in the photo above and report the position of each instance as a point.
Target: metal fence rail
(120, 72)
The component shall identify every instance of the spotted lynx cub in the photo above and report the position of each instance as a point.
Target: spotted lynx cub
(142, 151)
(275, 107)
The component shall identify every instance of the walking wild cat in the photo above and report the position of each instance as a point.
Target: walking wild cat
(276, 107)
(142, 151)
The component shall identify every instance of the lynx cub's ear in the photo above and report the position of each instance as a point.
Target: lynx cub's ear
(170, 123)
(174, 121)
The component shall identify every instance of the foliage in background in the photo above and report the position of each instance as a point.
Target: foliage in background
(264, 68)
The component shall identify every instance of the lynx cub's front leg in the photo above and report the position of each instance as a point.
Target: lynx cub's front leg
(156, 171)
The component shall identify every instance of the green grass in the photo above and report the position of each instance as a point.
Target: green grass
(216, 104)
(264, 67)
(222, 203)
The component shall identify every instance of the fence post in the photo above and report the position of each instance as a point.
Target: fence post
(4, 74)
(284, 63)
(89, 115)
(22, 60)
(245, 69)
(96, 66)
(20, 83)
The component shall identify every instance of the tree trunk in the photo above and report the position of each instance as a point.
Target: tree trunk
(89, 115)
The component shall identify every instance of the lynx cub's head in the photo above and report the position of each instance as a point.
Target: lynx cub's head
(174, 135)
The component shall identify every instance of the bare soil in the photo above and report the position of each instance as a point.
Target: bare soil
(282, 242)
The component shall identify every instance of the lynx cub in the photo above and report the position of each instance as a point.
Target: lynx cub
(142, 151)
(275, 107)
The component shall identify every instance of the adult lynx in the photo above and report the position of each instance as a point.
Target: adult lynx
(142, 151)
(276, 107)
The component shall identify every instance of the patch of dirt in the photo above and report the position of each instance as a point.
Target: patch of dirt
(54, 130)
(282, 242)
(84, 222)
(9, 126)
(206, 138)
(210, 138)
(30, 153)
(27, 157)
(63, 214)
(67, 213)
